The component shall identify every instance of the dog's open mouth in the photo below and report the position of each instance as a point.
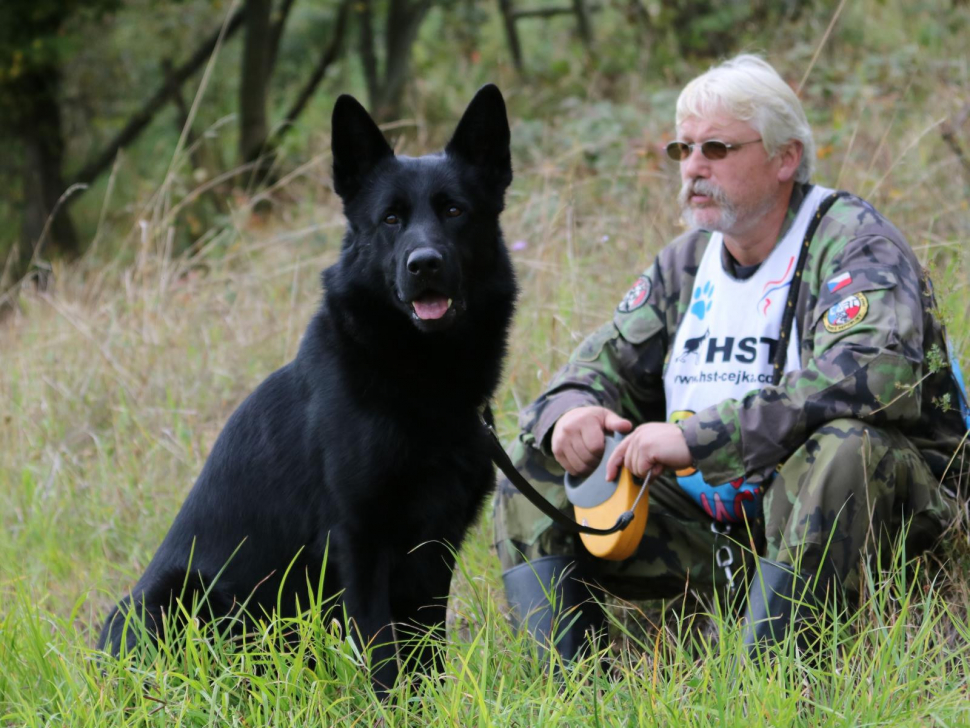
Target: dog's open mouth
(431, 306)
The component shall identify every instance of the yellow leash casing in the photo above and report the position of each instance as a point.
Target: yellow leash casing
(598, 502)
(622, 544)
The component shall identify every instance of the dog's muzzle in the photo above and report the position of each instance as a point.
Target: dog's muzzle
(425, 268)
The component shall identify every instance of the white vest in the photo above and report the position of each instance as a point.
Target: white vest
(725, 344)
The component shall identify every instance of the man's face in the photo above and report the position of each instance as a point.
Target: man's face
(730, 194)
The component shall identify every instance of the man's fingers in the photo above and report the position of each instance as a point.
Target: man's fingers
(564, 458)
(582, 456)
(577, 459)
(637, 460)
(575, 466)
(579, 438)
(632, 461)
(592, 440)
(562, 453)
(572, 461)
(616, 460)
(614, 423)
(580, 449)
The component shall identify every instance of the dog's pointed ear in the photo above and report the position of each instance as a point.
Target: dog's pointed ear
(482, 136)
(357, 145)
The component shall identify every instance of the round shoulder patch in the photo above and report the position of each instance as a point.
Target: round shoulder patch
(846, 313)
(636, 296)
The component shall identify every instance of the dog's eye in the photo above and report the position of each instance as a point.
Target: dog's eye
(453, 211)
(391, 219)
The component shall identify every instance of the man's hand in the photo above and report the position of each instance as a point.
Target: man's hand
(578, 440)
(650, 449)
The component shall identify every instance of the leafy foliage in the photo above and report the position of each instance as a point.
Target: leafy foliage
(32, 39)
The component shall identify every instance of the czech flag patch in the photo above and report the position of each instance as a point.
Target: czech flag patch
(839, 282)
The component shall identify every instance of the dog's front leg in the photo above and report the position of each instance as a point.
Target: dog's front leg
(420, 606)
(366, 574)
(422, 638)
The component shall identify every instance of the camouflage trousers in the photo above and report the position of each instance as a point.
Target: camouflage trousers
(849, 489)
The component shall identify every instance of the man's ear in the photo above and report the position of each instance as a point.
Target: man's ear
(357, 145)
(790, 157)
(482, 136)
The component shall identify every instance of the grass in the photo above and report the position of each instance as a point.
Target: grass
(902, 660)
(115, 382)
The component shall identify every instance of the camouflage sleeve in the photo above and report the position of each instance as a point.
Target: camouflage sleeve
(865, 363)
(619, 366)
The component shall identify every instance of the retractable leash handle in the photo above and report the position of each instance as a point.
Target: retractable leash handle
(597, 502)
(525, 487)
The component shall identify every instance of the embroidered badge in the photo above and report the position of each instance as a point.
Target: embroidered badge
(846, 313)
(839, 282)
(636, 296)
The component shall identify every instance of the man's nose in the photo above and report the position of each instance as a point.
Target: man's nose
(696, 164)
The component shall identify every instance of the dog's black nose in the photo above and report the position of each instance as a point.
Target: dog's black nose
(424, 262)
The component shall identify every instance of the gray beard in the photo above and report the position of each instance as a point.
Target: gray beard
(728, 217)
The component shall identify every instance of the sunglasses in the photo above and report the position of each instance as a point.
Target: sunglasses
(712, 149)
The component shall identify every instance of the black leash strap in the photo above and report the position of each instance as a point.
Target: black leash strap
(789, 316)
(526, 489)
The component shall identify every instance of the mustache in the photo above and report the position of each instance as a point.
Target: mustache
(698, 186)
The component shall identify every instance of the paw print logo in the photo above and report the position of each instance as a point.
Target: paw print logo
(702, 300)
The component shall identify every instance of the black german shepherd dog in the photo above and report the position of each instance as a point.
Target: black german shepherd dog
(369, 443)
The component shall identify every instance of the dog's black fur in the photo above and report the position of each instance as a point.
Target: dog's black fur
(369, 442)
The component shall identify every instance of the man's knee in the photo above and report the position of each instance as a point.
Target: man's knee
(847, 443)
(848, 485)
(841, 458)
(824, 496)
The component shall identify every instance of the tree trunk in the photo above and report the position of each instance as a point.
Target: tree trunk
(368, 58)
(254, 81)
(45, 224)
(43, 158)
(403, 23)
(512, 34)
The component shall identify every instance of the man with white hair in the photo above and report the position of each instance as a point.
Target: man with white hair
(784, 448)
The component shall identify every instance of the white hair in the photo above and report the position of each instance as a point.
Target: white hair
(747, 88)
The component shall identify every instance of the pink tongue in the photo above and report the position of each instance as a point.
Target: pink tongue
(430, 307)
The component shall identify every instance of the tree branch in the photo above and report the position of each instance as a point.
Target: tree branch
(143, 117)
(328, 57)
(277, 32)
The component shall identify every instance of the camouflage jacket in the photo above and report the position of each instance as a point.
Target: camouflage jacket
(875, 369)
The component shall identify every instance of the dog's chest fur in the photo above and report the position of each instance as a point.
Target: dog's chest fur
(413, 454)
